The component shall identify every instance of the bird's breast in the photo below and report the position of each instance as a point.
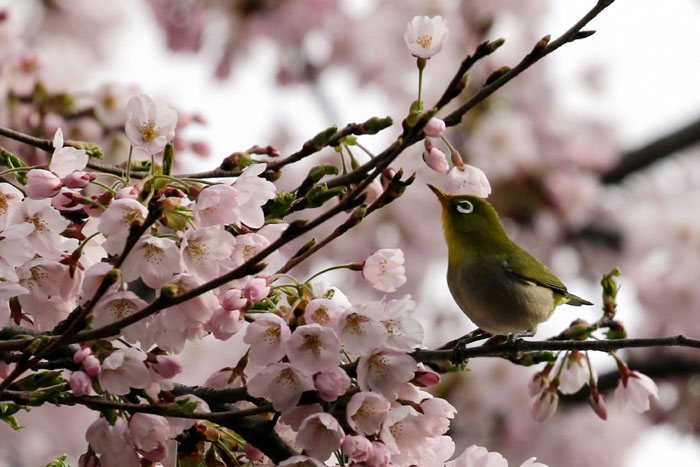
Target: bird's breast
(494, 300)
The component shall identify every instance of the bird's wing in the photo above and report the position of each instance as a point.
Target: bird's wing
(521, 265)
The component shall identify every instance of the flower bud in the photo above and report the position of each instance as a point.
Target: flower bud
(91, 365)
(434, 128)
(78, 179)
(80, 383)
(256, 289)
(42, 184)
(436, 160)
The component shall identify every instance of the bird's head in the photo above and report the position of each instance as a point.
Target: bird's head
(469, 221)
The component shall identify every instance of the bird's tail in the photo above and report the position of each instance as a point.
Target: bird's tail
(575, 300)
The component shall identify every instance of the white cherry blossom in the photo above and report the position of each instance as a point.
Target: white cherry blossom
(320, 435)
(313, 348)
(384, 269)
(384, 370)
(149, 125)
(122, 370)
(425, 36)
(468, 180)
(280, 383)
(155, 259)
(116, 221)
(267, 337)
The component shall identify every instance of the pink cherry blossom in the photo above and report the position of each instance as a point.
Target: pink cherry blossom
(359, 332)
(384, 269)
(403, 331)
(110, 103)
(148, 431)
(116, 306)
(468, 180)
(225, 323)
(402, 429)
(425, 36)
(322, 311)
(574, 374)
(42, 184)
(477, 456)
(122, 370)
(320, 434)
(80, 383)
(544, 405)
(434, 128)
(112, 443)
(92, 280)
(366, 412)
(635, 389)
(233, 300)
(256, 289)
(66, 159)
(332, 383)
(116, 221)
(10, 199)
(216, 205)
(296, 415)
(426, 377)
(254, 192)
(267, 337)
(436, 160)
(81, 354)
(301, 461)
(204, 249)
(312, 348)
(531, 463)
(384, 370)
(15, 249)
(437, 414)
(357, 448)
(91, 365)
(379, 455)
(281, 384)
(155, 259)
(149, 125)
(597, 402)
(247, 246)
(78, 179)
(167, 366)
(48, 224)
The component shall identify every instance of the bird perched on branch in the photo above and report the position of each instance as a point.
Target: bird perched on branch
(497, 284)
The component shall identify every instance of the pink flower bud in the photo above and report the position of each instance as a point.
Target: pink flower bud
(233, 300)
(80, 383)
(597, 402)
(225, 323)
(42, 184)
(167, 366)
(436, 160)
(256, 289)
(91, 365)
(357, 448)
(379, 456)
(434, 128)
(252, 453)
(78, 179)
(374, 191)
(426, 377)
(545, 404)
(332, 383)
(81, 354)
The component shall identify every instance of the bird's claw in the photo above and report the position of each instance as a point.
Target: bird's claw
(459, 352)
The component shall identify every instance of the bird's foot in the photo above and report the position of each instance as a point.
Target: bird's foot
(460, 345)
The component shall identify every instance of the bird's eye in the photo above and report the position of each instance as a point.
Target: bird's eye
(465, 207)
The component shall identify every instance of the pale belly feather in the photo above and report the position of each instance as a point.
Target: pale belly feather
(495, 301)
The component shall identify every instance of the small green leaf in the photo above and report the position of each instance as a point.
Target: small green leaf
(280, 206)
(6, 414)
(168, 157)
(58, 462)
(318, 195)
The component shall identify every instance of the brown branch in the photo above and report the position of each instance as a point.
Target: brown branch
(541, 49)
(640, 158)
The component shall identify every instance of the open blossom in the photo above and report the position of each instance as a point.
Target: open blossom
(116, 306)
(320, 434)
(477, 456)
(574, 374)
(384, 370)
(403, 331)
(48, 224)
(425, 36)
(635, 389)
(149, 125)
(402, 429)
(468, 180)
(150, 432)
(322, 311)
(313, 348)
(10, 199)
(155, 259)
(545, 404)
(280, 383)
(267, 337)
(359, 332)
(204, 249)
(357, 448)
(66, 159)
(384, 269)
(80, 383)
(112, 443)
(122, 370)
(366, 412)
(301, 461)
(116, 220)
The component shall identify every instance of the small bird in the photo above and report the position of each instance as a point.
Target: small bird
(497, 284)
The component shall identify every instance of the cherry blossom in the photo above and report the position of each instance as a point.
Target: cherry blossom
(357, 448)
(225, 323)
(42, 184)
(116, 306)
(312, 348)
(436, 160)
(477, 456)
(122, 370)
(204, 250)
(574, 374)
(360, 332)
(425, 36)
(320, 434)
(322, 311)
(332, 383)
(154, 259)
(434, 128)
(280, 383)
(545, 404)
(113, 443)
(403, 331)
(116, 221)
(48, 224)
(384, 370)
(402, 429)
(8, 290)
(149, 125)
(253, 192)
(366, 412)
(149, 433)
(66, 159)
(384, 269)
(267, 337)
(636, 390)
(468, 180)
(10, 199)
(80, 383)
(256, 289)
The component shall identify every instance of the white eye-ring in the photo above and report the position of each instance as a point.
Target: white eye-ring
(465, 207)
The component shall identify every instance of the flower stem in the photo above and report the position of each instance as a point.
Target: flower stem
(341, 266)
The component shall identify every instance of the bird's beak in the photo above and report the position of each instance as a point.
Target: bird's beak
(442, 196)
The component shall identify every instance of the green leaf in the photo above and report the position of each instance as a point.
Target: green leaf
(168, 156)
(280, 206)
(58, 462)
(318, 195)
(9, 160)
(6, 414)
(182, 407)
(40, 380)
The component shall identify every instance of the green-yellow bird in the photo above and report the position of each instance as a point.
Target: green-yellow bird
(497, 284)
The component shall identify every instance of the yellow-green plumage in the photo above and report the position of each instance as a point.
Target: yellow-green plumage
(497, 284)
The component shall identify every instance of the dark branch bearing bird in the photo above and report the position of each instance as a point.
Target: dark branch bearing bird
(497, 284)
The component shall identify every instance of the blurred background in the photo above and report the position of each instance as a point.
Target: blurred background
(591, 154)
